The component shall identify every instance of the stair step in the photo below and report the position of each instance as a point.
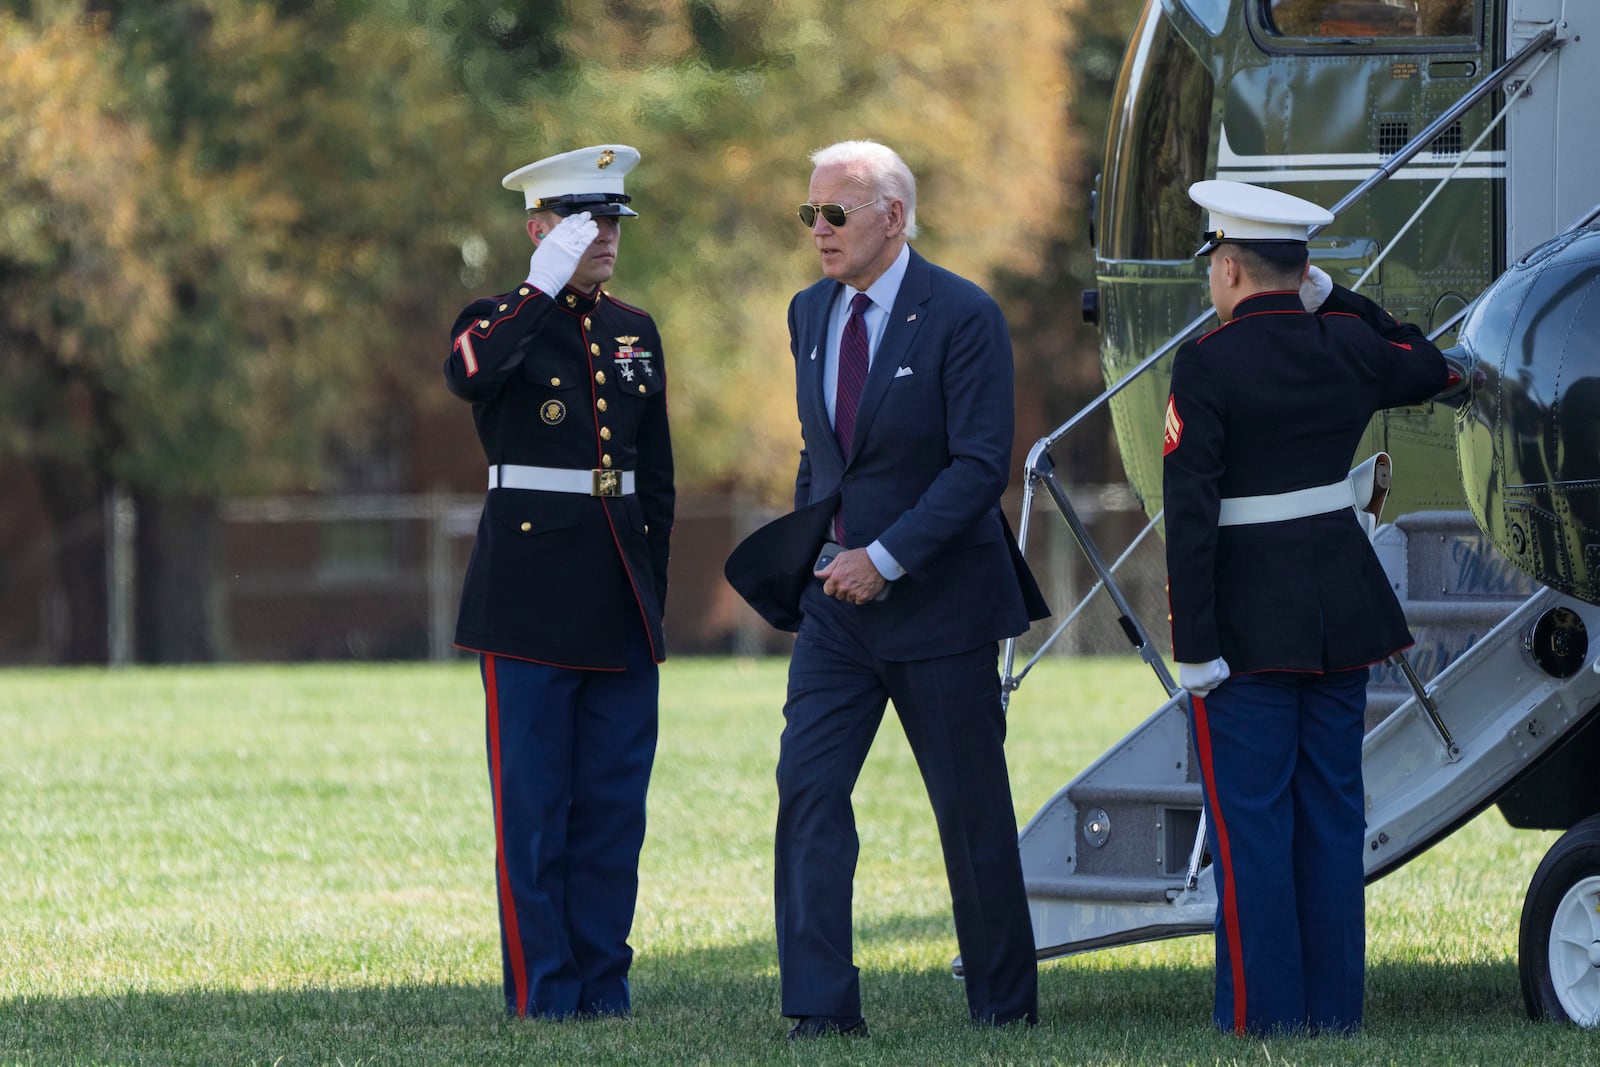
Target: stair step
(1106, 887)
(1480, 615)
(1449, 558)
(1171, 794)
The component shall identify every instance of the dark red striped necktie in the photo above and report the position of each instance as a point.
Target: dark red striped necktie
(852, 372)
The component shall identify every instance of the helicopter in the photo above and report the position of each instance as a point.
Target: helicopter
(1449, 140)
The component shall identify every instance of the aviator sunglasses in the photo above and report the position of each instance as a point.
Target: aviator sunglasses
(834, 214)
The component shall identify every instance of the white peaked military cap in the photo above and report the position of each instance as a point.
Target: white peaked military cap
(588, 179)
(1246, 213)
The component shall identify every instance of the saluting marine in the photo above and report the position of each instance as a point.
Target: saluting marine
(565, 590)
(1279, 604)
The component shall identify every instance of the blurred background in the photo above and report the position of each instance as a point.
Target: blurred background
(234, 235)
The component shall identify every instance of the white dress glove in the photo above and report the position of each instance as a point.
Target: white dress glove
(1315, 289)
(553, 262)
(1201, 678)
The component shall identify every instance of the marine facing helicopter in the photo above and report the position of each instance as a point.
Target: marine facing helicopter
(1452, 141)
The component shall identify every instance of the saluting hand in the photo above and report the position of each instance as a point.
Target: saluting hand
(1316, 287)
(552, 264)
(851, 577)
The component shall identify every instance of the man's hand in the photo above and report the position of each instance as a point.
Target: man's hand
(552, 264)
(852, 577)
(1316, 287)
(1201, 678)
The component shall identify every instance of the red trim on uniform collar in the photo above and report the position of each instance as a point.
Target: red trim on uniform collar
(1277, 302)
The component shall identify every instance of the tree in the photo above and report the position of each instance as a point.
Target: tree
(81, 304)
(202, 311)
(235, 231)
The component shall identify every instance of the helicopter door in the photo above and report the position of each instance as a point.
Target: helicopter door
(1552, 154)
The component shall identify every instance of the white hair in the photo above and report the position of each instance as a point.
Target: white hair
(882, 168)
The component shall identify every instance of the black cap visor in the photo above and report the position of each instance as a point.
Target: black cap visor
(1209, 242)
(598, 205)
(1281, 252)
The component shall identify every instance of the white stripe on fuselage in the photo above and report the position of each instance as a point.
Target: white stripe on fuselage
(1348, 166)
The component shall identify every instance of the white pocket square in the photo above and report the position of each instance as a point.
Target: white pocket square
(903, 372)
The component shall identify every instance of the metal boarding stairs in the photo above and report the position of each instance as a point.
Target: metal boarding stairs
(1116, 856)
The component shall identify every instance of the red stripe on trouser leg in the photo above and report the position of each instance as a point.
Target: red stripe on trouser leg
(1230, 891)
(508, 904)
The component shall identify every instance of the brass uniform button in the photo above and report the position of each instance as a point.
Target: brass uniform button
(502, 307)
(555, 382)
(523, 291)
(605, 460)
(600, 404)
(527, 526)
(483, 323)
(594, 349)
(605, 433)
(587, 322)
(600, 376)
(641, 387)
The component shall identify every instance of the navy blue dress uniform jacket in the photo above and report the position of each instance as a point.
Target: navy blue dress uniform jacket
(1276, 399)
(930, 459)
(579, 383)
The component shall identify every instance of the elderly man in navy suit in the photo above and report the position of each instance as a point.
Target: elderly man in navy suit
(904, 382)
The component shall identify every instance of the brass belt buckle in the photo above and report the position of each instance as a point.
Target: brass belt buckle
(607, 483)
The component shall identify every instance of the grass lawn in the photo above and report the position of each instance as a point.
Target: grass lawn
(293, 865)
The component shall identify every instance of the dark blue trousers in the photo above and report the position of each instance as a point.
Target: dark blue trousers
(570, 753)
(1280, 757)
(951, 712)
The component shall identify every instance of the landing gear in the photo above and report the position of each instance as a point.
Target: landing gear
(1559, 947)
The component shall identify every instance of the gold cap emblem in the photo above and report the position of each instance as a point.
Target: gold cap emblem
(607, 158)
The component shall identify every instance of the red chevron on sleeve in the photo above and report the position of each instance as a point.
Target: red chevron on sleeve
(1174, 426)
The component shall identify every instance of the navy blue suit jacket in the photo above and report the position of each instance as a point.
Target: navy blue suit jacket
(930, 459)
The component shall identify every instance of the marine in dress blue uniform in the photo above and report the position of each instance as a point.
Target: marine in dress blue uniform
(911, 466)
(564, 593)
(1275, 619)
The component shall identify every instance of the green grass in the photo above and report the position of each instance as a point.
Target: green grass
(292, 865)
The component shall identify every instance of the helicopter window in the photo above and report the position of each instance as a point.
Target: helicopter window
(1371, 18)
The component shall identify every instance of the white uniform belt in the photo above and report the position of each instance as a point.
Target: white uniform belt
(561, 480)
(1277, 507)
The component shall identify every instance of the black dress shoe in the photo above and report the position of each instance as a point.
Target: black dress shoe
(811, 1026)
